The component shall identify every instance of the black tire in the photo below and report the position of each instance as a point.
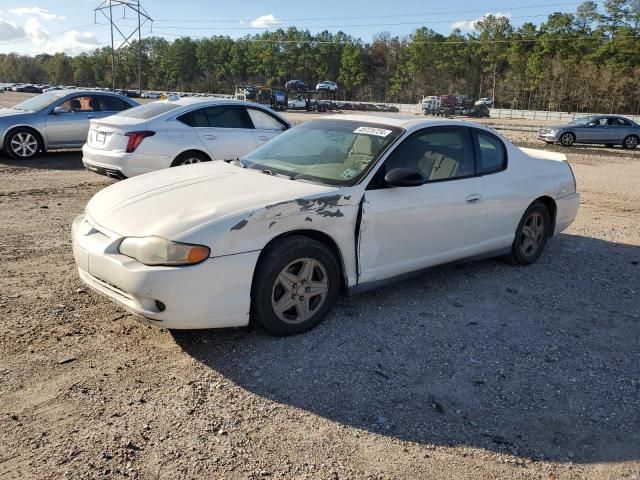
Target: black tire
(23, 144)
(190, 157)
(268, 290)
(630, 142)
(521, 254)
(567, 139)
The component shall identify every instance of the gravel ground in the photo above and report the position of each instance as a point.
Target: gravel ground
(471, 371)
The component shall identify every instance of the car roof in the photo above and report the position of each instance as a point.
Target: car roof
(398, 120)
(188, 101)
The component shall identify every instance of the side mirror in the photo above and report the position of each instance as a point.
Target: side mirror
(58, 110)
(403, 177)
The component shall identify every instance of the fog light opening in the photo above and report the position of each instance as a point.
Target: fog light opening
(160, 306)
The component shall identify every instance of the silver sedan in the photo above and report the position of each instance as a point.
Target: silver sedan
(58, 119)
(604, 129)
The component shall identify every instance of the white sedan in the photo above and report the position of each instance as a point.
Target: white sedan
(178, 131)
(342, 202)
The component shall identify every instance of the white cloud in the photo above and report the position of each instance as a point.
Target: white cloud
(35, 11)
(266, 21)
(34, 30)
(10, 31)
(471, 24)
(73, 43)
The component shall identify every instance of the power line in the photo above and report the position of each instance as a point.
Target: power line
(466, 11)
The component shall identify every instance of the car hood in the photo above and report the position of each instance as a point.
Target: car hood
(175, 202)
(9, 112)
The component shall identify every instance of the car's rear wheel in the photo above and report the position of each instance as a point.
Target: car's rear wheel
(531, 235)
(567, 139)
(23, 144)
(295, 285)
(630, 142)
(189, 158)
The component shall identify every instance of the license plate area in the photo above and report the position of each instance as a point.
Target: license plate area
(100, 137)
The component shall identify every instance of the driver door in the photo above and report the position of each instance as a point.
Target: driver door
(405, 229)
(70, 128)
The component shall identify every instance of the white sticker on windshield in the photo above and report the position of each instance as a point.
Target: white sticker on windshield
(378, 132)
(348, 174)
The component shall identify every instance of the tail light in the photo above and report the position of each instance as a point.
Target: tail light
(135, 139)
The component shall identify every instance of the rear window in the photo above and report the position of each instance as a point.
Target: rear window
(148, 111)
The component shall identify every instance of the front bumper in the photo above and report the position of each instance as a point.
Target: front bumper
(212, 294)
(548, 136)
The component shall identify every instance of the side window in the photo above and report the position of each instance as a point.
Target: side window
(619, 122)
(112, 104)
(263, 121)
(601, 121)
(492, 153)
(83, 103)
(218, 117)
(437, 153)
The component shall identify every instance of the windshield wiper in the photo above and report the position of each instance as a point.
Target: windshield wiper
(266, 171)
(238, 163)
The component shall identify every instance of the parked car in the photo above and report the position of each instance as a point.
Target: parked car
(327, 86)
(297, 104)
(28, 89)
(154, 95)
(349, 200)
(295, 85)
(607, 129)
(485, 101)
(58, 119)
(169, 133)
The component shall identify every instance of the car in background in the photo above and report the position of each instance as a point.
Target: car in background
(596, 129)
(349, 201)
(27, 88)
(178, 131)
(485, 101)
(295, 85)
(52, 120)
(327, 86)
(53, 89)
(153, 95)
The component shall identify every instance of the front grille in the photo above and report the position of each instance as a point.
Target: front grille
(545, 131)
(111, 287)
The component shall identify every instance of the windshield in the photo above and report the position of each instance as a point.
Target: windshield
(334, 152)
(150, 110)
(581, 121)
(39, 101)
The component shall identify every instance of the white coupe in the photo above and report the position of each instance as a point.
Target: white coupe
(346, 202)
(177, 131)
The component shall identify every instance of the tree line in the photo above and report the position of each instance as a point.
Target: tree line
(583, 61)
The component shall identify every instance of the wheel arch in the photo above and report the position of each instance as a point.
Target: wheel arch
(190, 150)
(13, 128)
(552, 207)
(317, 235)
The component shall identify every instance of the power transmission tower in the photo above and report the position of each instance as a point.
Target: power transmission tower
(143, 18)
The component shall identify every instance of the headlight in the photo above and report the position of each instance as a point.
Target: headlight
(160, 251)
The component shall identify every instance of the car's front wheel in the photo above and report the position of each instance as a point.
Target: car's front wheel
(295, 285)
(531, 236)
(630, 142)
(567, 139)
(23, 144)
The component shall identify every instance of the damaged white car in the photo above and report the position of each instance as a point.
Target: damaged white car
(347, 202)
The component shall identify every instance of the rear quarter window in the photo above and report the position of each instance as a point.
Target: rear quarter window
(493, 153)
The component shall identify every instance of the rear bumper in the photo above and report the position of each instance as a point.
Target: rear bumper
(567, 210)
(121, 165)
(213, 294)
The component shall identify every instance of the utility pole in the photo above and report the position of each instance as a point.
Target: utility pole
(143, 18)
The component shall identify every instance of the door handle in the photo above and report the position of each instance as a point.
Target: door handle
(91, 116)
(474, 198)
(263, 138)
(210, 137)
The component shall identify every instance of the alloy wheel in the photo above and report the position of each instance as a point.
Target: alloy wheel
(24, 144)
(532, 235)
(567, 139)
(300, 290)
(631, 142)
(191, 161)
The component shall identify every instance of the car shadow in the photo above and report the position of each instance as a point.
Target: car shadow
(56, 160)
(540, 362)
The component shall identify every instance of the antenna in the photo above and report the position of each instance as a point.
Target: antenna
(143, 18)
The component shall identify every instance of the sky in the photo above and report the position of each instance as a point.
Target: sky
(71, 26)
